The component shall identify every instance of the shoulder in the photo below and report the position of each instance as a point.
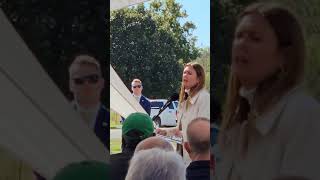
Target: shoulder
(145, 99)
(120, 157)
(301, 105)
(204, 98)
(204, 94)
(103, 109)
(300, 115)
(302, 100)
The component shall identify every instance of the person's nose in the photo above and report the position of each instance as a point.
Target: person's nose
(241, 43)
(185, 75)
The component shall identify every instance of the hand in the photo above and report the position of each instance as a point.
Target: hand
(178, 133)
(161, 132)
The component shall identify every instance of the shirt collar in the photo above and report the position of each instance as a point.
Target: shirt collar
(248, 94)
(136, 96)
(83, 109)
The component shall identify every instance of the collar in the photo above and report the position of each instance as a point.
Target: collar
(137, 96)
(247, 94)
(83, 109)
(266, 121)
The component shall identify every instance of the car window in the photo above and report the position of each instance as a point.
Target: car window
(156, 105)
(176, 103)
(171, 106)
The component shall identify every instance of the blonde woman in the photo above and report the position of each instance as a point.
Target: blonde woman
(270, 126)
(194, 101)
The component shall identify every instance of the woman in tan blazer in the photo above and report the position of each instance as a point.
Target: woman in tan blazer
(194, 101)
(270, 126)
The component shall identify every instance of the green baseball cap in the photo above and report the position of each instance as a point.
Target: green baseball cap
(85, 170)
(140, 122)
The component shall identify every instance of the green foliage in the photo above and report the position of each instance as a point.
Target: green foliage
(148, 44)
(225, 14)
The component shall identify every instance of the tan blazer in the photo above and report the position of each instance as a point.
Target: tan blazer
(287, 142)
(199, 107)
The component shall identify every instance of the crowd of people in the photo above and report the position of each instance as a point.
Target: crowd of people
(148, 156)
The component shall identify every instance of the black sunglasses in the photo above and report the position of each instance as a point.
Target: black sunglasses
(137, 86)
(91, 79)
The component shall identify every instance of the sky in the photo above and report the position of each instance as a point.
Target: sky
(199, 13)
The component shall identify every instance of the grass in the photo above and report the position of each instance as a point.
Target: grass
(115, 146)
(114, 120)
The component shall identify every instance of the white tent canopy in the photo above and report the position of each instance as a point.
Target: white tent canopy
(118, 4)
(121, 99)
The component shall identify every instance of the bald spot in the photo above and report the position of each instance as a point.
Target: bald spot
(198, 133)
(154, 142)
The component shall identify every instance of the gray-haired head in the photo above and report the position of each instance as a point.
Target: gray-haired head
(198, 132)
(156, 164)
(154, 142)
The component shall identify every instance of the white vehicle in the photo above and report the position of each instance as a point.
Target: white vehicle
(169, 116)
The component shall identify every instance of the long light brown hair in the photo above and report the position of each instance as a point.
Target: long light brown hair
(291, 43)
(201, 77)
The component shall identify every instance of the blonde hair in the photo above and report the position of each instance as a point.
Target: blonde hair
(269, 91)
(84, 60)
(136, 80)
(200, 75)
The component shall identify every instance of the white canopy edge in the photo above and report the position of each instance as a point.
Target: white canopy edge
(118, 4)
(121, 100)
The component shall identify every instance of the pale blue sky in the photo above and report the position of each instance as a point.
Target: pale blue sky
(199, 13)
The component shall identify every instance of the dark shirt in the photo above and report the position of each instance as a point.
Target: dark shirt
(199, 170)
(120, 164)
(102, 126)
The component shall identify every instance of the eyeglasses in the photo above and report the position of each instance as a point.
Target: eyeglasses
(137, 86)
(91, 79)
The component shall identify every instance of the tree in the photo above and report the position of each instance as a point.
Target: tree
(57, 30)
(151, 45)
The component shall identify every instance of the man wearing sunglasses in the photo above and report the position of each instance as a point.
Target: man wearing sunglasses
(86, 83)
(136, 87)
